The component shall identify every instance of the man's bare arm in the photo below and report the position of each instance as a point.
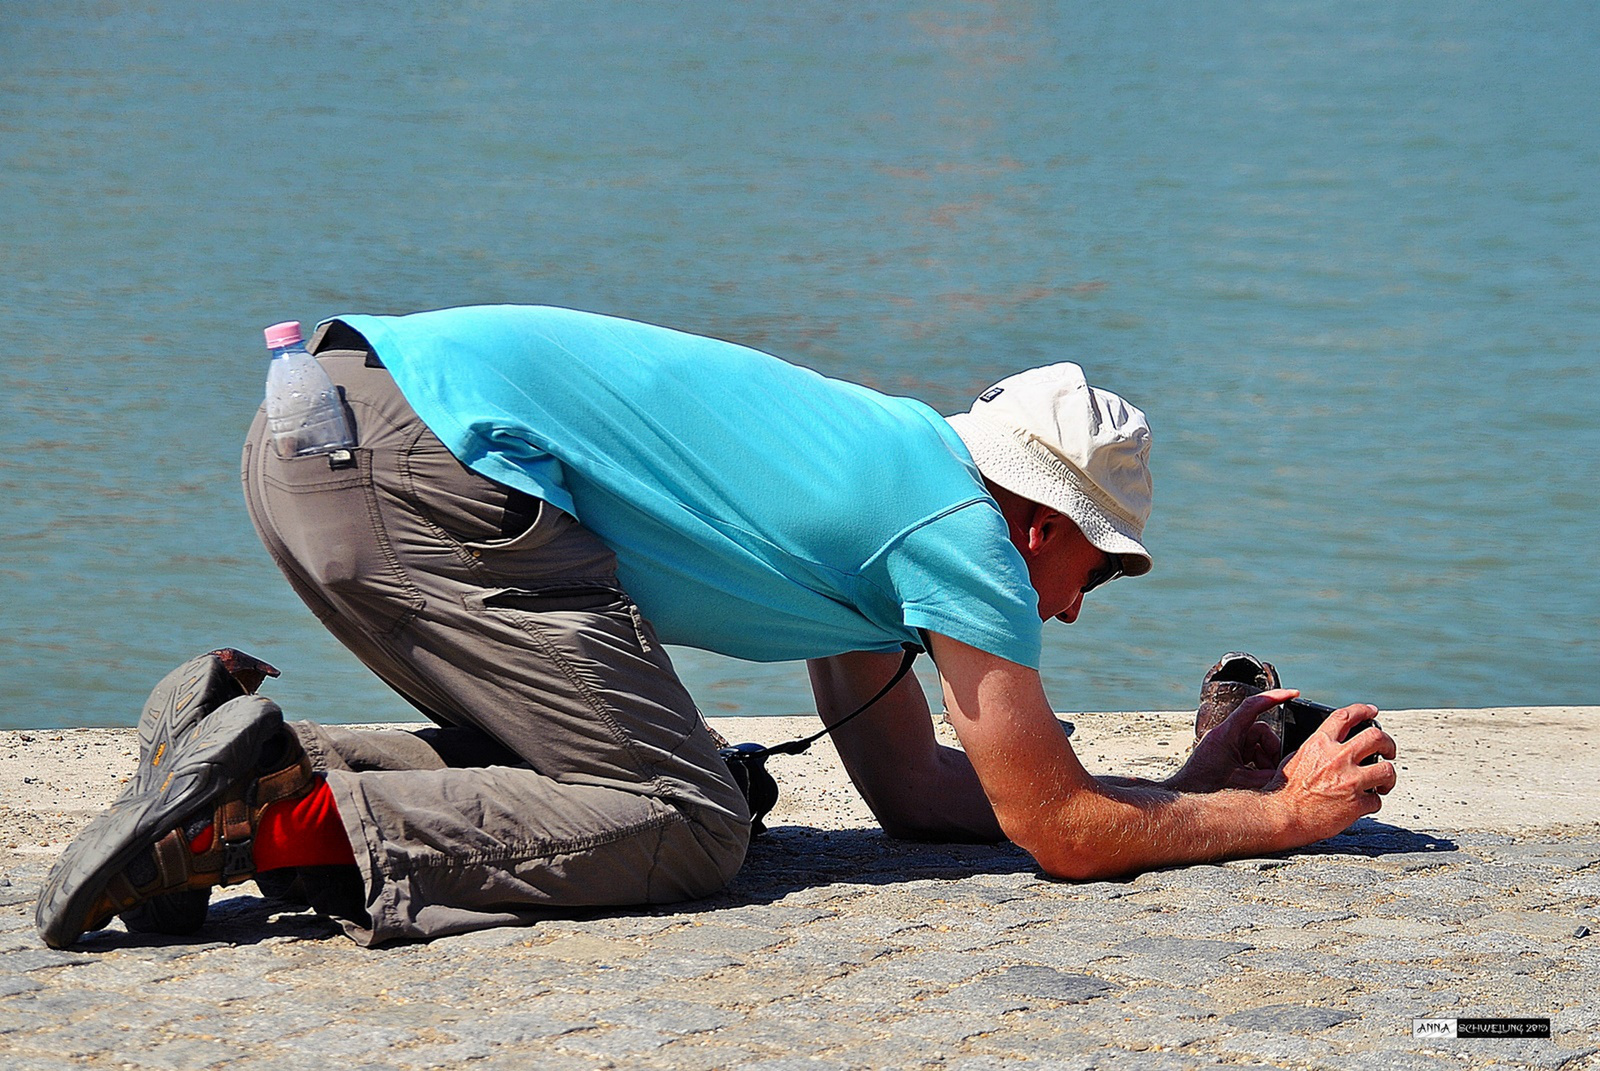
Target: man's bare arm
(916, 788)
(1080, 827)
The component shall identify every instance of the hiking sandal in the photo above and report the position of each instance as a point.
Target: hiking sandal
(238, 761)
(176, 705)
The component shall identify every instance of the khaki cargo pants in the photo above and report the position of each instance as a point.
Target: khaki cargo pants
(570, 767)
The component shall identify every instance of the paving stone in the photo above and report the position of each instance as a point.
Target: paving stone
(348, 1039)
(1454, 914)
(1023, 987)
(700, 1053)
(1584, 884)
(1310, 964)
(954, 968)
(23, 960)
(617, 1042)
(940, 1030)
(1185, 948)
(728, 940)
(189, 1054)
(1102, 1058)
(826, 955)
(587, 949)
(1411, 862)
(1162, 970)
(12, 984)
(781, 917)
(1115, 1021)
(674, 1016)
(221, 986)
(1289, 1018)
(644, 974)
(78, 1041)
(1569, 855)
(1061, 954)
(800, 1063)
(1397, 1061)
(1291, 938)
(152, 947)
(1383, 926)
(55, 1003)
(1281, 1048)
(518, 1027)
(1173, 960)
(1556, 924)
(794, 1028)
(1025, 1037)
(1542, 1054)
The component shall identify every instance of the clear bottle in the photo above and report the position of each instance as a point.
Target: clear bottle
(304, 410)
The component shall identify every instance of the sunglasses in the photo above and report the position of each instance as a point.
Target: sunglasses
(1105, 574)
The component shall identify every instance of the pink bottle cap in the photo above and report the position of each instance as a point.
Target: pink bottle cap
(284, 334)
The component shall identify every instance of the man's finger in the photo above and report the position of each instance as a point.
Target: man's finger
(1256, 705)
(1260, 746)
(1340, 722)
(1373, 743)
(1381, 778)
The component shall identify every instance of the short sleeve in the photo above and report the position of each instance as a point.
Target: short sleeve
(958, 574)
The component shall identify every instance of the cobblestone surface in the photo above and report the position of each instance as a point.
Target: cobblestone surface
(839, 949)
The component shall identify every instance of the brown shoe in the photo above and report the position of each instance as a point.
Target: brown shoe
(1236, 677)
(175, 708)
(237, 761)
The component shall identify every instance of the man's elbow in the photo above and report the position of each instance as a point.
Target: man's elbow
(1068, 856)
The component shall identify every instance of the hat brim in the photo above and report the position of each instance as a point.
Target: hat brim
(1032, 471)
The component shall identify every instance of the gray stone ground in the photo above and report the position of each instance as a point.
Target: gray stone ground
(838, 948)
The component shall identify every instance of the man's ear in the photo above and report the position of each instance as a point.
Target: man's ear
(1044, 525)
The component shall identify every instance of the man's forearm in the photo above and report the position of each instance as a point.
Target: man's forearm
(1116, 830)
(958, 810)
(916, 788)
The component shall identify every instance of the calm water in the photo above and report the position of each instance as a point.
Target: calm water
(1346, 258)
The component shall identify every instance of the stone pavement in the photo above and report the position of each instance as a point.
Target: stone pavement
(838, 948)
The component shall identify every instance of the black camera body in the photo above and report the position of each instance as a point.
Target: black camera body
(1301, 718)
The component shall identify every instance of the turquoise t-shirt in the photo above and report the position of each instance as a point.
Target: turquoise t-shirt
(756, 508)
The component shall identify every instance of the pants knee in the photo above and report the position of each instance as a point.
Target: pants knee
(708, 858)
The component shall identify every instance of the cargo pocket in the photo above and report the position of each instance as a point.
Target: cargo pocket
(554, 554)
(329, 523)
(599, 685)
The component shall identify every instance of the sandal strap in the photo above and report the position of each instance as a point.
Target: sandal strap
(230, 858)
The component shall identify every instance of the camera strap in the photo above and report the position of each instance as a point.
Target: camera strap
(748, 762)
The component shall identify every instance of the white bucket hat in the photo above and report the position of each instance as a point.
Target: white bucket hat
(1048, 436)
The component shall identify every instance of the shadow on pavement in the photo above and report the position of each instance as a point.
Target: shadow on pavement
(788, 859)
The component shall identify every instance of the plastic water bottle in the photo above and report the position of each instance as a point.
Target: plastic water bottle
(304, 410)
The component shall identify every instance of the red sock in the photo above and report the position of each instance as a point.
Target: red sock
(302, 832)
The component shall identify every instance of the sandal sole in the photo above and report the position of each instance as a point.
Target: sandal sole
(222, 750)
(176, 705)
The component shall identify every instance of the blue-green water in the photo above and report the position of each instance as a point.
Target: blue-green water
(1346, 257)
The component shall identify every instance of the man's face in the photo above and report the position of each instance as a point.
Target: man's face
(1060, 568)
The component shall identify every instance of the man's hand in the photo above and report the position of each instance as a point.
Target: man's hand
(1239, 753)
(1324, 783)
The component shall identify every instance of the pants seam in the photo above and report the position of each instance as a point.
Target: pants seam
(435, 860)
(528, 624)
